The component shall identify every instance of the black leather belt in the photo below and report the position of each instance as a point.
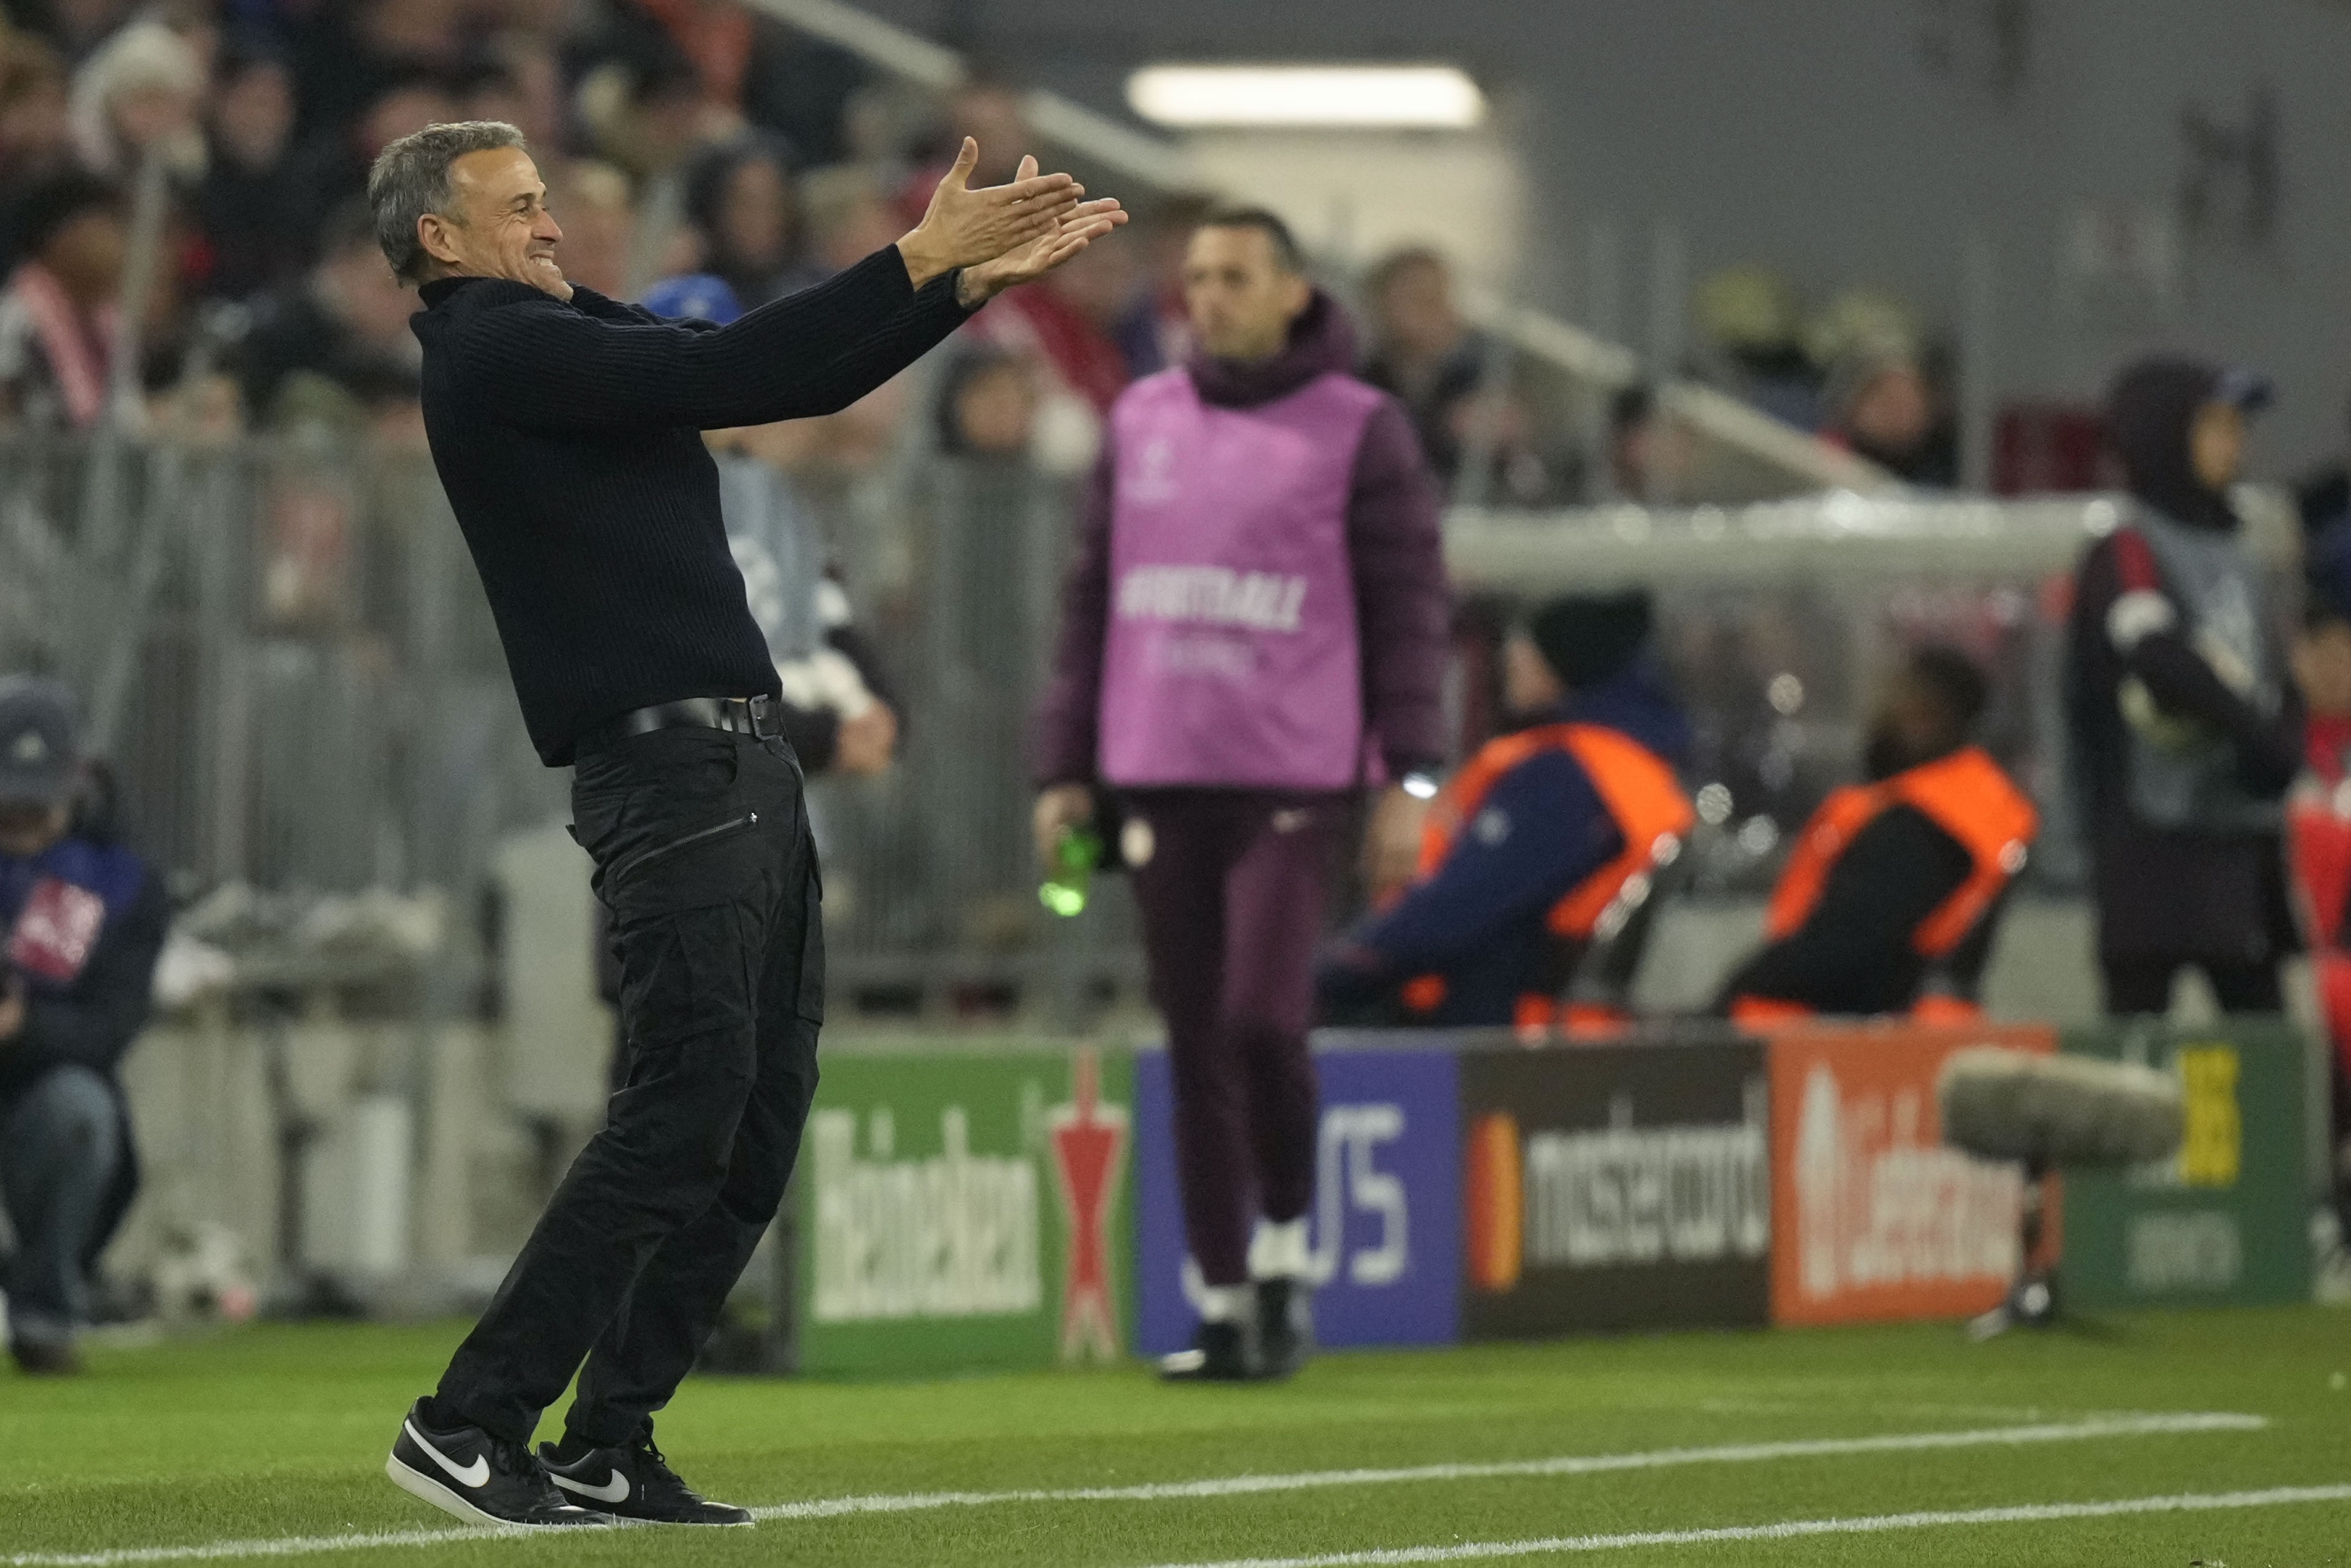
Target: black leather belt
(754, 716)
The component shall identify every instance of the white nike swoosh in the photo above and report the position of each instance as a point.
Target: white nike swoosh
(476, 1475)
(614, 1490)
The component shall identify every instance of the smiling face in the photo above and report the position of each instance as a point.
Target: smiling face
(497, 225)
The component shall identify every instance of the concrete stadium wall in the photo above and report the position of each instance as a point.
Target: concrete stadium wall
(1830, 138)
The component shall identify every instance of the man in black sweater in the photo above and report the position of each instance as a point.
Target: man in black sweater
(566, 430)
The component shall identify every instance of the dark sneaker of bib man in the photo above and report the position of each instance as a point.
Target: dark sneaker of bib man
(633, 1482)
(1269, 1343)
(482, 1479)
(1285, 1326)
(1222, 1352)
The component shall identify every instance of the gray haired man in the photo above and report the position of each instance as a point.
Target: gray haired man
(567, 428)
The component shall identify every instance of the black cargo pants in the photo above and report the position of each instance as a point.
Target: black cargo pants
(703, 857)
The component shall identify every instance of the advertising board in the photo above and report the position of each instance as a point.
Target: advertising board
(1873, 1218)
(1385, 1224)
(966, 1210)
(1615, 1186)
(2224, 1220)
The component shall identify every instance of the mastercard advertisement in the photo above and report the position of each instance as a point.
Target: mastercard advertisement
(1620, 1186)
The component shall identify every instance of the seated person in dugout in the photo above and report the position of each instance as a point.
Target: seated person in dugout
(1538, 856)
(1889, 898)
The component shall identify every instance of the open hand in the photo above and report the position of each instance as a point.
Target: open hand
(964, 227)
(1086, 222)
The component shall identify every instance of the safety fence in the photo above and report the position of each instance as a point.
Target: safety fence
(285, 662)
(1019, 1206)
(296, 684)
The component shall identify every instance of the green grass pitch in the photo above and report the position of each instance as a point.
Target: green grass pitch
(275, 1437)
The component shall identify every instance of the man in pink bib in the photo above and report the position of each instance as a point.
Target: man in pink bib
(1252, 633)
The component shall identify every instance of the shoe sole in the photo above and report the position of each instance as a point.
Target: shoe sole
(427, 1489)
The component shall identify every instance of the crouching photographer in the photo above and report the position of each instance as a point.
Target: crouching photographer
(84, 921)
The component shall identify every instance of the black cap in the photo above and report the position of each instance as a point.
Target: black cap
(39, 757)
(1586, 638)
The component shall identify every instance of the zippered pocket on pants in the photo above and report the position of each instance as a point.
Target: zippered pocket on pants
(644, 858)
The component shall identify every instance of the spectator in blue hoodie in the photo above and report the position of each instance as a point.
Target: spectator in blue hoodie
(1542, 851)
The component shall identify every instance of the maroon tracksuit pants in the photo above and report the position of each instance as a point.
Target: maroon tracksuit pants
(1233, 896)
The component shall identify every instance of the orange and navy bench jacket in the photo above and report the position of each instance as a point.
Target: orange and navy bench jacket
(1527, 847)
(1888, 882)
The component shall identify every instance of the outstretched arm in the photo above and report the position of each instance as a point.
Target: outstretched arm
(541, 363)
(546, 365)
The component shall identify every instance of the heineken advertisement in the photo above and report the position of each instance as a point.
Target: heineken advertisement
(959, 1210)
(2226, 1219)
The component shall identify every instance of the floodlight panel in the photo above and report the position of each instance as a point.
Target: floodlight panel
(1428, 97)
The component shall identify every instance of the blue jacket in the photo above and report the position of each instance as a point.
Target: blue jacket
(81, 925)
(1478, 921)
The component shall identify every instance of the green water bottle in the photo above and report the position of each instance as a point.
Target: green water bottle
(1075, 855)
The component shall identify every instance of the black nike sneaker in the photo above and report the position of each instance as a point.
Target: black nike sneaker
(482, 1479)
(633, 1482)
(1220, 1352)
(1285, 1326)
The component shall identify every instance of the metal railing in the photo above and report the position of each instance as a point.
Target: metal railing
(320, 745)
(287, 662)
(319, 705)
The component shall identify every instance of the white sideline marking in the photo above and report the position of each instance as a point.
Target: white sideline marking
(1793, 1529)
(2141, 1426)
(1564, 1465)
(280, 1546)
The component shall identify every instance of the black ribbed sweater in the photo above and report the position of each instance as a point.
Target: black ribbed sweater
(568, 437)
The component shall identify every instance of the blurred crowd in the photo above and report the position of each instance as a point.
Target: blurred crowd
(1863, 370)
(680, 138)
